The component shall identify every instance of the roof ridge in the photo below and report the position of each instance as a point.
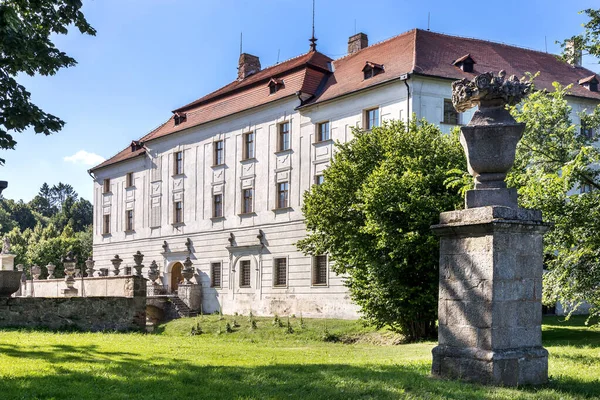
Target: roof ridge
(376, 44)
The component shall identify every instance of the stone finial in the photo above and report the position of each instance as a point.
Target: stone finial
(188, 270)
(138, 257)
(69, 263)
(153, 272)
(89, 265)
(69, 258)
(165, 246)
(51, 267)
(231, 239)
(188, 245)
(36, 271)
(116, 262)
(488, 89)
(6, 245)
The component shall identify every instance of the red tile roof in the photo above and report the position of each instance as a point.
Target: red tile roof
(416, 52)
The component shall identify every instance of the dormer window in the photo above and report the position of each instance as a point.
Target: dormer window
(275, 85)
(465, 63)
(371, 69)
(136, 145)
(590, 83)
(179, 118)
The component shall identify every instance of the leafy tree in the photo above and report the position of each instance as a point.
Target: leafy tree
(555, 160)
(588, 41)
(61, 193)
(26, 27)
(372, 215)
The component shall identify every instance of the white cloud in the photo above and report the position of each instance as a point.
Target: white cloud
(85, 158)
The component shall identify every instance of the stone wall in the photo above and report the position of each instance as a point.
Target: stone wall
(105, 286)
(80, 313)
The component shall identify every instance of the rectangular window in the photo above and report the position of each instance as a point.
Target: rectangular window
(450, 113)
(245, 273)
(280, 272)
(178, 167)
(219, 152)
(247, 195)
(323, 132)
(129, 220)
(217, 205)
(319, 179)
(319, 270)
(106, 186)
(106, 224)
(248, 146)
(371, 119)
(284, 136)
(129, 182)
(215, 274)
(282, 194)
(585, 188)
(178, 212)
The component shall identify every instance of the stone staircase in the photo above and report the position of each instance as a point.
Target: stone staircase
(182, 309)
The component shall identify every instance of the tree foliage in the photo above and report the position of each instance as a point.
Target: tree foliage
(26, 30)
(588, 41)
(556, 171)
(372, 215)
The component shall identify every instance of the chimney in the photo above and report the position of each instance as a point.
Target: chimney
(247, 65)
(573, 54)
(357, 42)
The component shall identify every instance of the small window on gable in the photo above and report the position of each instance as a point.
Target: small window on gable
(179, 118)
(590, 83)
(129, 179)
(371, 69)
(465, 63)
(178, 163)
(106, 224)
(275, 85)
(106, 186)
(323, 132)
(450, 113)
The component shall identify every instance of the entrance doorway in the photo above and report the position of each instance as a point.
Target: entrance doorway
(176, 276)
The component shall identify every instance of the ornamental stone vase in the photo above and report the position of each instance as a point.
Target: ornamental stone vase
(89, 265)
(51, 267)
(10, 282)
(36, 271)
(138, 257)
(116, 262)
(188, 270)
(153, 272)
(69, 262)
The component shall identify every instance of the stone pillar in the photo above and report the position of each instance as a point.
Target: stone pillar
(491, 253)
(7, 262)
(191, 295)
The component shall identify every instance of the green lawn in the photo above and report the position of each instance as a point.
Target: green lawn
(267, 363)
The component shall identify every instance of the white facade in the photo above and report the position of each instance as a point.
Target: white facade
(156, 188)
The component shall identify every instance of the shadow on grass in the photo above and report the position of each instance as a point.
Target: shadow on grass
(560, 332)
(84, 372)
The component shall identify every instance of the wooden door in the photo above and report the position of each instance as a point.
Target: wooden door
(176, 276)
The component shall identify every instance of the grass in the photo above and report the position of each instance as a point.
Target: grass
(267, 363)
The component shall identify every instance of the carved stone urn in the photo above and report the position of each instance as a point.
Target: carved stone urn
(10, 282)
(153, 273)
(490, 139)
(138, 257)
(116, 262)
(69, 263)
(51, 267)
(188, 270)
(36, 271)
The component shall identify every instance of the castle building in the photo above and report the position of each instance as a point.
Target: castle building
(228, 171)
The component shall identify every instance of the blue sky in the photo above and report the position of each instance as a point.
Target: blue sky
(152, 56)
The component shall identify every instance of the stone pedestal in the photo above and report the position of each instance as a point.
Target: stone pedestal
(490, 312)
(7, 262)
(191, 295)
(69, 292)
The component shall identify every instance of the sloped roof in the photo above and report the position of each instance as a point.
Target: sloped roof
(417, 52)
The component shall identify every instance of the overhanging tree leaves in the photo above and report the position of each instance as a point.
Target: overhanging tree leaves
(556, 171)
(26, 47)
(372, 215)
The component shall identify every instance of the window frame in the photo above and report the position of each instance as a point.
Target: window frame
(282, 143)
(106, 224)
(314, 266)
(214, 205)
(219, 268)
(249, 146)
(178, 163)
(451, 111)
(279, 192)
(129, 220)
(319, 179)
(178, 212)
(129, 180)
(276, 272)
(586, 132)
(106, 186)
(247, 203)
(376, 123)
(319, 135)
(243, 284)
(218, 153)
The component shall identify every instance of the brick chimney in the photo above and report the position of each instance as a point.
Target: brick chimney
(247, 65)
(357, 42)
(573, 54)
